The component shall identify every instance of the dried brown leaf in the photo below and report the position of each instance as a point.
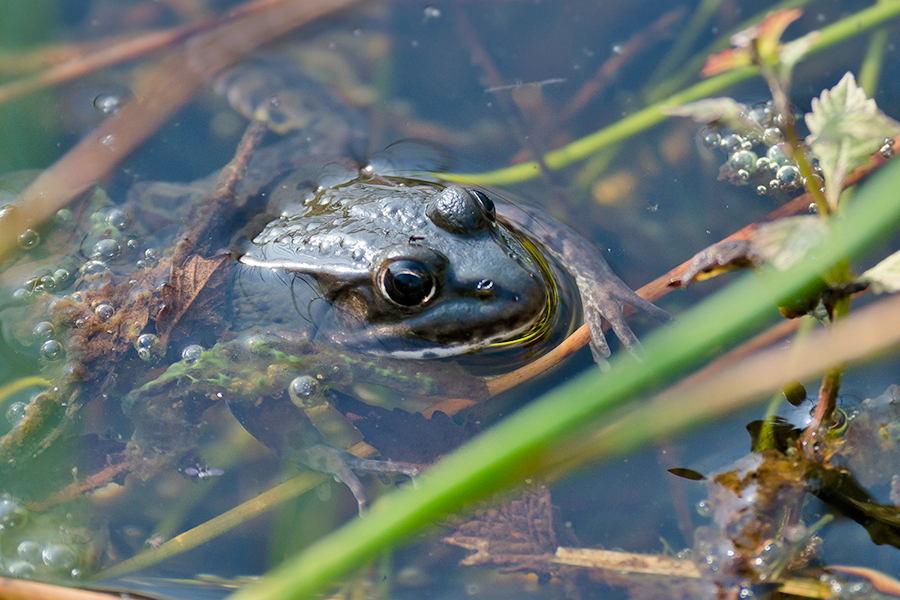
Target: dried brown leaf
(194, 295)
(520, 533)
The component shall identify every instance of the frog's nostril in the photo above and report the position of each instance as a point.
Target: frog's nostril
(484, 288)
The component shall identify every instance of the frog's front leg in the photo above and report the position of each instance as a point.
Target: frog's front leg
(257, 374)
(603, 294)
(286, 430)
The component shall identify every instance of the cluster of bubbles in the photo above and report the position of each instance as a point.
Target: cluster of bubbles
(757, 155)
(113, 247)
(44, 333)
(35, 549)
(149, 347)
(45, 281)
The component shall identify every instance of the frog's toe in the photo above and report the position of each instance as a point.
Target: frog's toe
(607, 304)
(344, 466)
(718, 258)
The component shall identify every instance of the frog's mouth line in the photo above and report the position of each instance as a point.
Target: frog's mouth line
(542, 326)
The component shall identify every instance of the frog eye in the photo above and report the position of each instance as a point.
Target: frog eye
(487, 204)
(406, 282)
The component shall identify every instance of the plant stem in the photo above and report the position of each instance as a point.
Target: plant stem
(648, 117)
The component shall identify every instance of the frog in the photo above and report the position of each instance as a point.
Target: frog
(329, 276)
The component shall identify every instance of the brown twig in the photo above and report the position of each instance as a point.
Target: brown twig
(19, 589)
(75, 490)
(221, 203)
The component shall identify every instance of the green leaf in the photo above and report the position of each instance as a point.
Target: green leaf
(785, 242)
(845, 128)
(724, 111)
(885, 276)
(793, 52)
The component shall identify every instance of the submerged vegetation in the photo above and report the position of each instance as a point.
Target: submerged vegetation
(113, 386)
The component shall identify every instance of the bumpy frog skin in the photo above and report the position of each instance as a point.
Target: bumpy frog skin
(352, 283)
(407, 272)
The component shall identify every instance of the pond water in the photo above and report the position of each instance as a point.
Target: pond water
(89, 493)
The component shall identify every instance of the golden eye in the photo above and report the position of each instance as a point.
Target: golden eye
(406, 282)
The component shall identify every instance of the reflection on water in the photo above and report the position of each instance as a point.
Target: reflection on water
(105, 458)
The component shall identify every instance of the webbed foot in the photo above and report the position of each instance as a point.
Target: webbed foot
(605, 299)
(344, 466)
(286, 430)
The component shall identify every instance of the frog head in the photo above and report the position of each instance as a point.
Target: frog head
(406, 271)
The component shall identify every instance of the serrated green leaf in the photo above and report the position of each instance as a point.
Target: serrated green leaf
(845, 128)
(885, 276)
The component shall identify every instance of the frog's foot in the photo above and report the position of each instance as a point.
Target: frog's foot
(344, 466)
(718, 258)
(286, 430)
(605, 301)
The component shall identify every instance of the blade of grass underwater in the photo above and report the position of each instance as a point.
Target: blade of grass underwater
(505, 454)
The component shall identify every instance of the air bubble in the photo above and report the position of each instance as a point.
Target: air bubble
(772, 136)
(12, 514)
(29, 550)
(61, 276)
(703, 508)
(104, 311)
(21, 569)
(191, 354)
(887, 150)
(788, 176)
(106, 250)
(432, 12)
(59, 557)
(46, 284)
(304, 391)
(770, 559)
(108, 142)
(43, 330)
(744, 160)
(148, 346)
(762, 190)
(107, 103)
(712, 139)
(16, 412)
(779, 154)
(762, 115)
(94, 267)
(51, 350)
(731, 143)
(763, 164)
(119, 219)
(28, 239)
